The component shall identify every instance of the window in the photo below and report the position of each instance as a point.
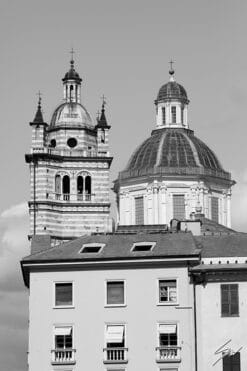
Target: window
(168, 343)
(169, 369)
(178, 207)
(139, 210)
(66, 187)
(168, 291)
(231, 362)
(72, 142)
(53, 143)
(174, 115)
(115, 350)
(84, 187)
(63, 352)
(115, 293)
(91, 248)
(143, 246)
(57, 186)
(215, 209)
(182, 115)
(63, 337)
(163, 115)
(229, 300)
(63, 294)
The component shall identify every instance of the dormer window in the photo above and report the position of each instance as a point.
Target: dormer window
(163, 115)
(143, 246)
(174, 114)
(91, 248)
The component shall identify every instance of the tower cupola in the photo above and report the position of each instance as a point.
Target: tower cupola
(172, 104)
(72, 84)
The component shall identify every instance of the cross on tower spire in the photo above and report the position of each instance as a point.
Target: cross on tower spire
(72, 52)
(171, 72)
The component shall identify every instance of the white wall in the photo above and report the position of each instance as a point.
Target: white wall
(89, 317)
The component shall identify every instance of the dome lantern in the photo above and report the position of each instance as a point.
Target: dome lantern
(72, 83)
(172, 104)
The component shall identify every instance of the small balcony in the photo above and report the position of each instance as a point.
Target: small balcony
(168, 354)
(115, 355)
(81, 197)
(63, 356)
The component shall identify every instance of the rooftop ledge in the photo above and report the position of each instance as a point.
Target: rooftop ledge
(70, 152)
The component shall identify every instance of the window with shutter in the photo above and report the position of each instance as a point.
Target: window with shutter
(215, 209)
(229, 300)
(231, 362)
(115, 293)
(178, 207)
(63, 294)
(139, 210)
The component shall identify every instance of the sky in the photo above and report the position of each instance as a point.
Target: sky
(123, 49)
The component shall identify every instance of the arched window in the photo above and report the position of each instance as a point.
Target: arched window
(66, 187)
(174, 115)
(70, 92)
(80, 184)
(88, 187)
(163, 115)
(57, 187)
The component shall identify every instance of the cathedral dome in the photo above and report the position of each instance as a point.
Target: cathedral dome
(71, 114)
(173, 152)
(172, 90)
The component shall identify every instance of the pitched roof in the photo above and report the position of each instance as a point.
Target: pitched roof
(118, 246)
(228, 245)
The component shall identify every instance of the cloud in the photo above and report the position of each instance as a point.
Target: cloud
(15, 211)
(14, 226)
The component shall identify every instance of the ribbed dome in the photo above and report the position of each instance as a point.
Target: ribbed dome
(173, 152)
(172, 90)
(71, 114)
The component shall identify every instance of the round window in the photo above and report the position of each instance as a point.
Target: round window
(53, 143)
(72, 142)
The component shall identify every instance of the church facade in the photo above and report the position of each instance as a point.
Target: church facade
(165, 290)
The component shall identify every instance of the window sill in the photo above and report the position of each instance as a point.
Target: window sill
(168, 304)
(64, 307)
(115, 362)
(63, 363)
(230, 316)
(175, 360)
(115, 305)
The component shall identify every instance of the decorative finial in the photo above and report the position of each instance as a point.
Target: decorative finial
(72, 52)
(38, 116)
(103, 102)
(39, 101)
(171, 71)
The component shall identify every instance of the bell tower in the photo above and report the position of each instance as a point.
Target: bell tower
(69, 166)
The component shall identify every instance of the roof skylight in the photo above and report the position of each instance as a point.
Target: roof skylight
(143, 246)
(91, 248)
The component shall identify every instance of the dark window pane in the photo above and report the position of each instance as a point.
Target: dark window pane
(115, 292)
(229, 300)
(178, 207)
(63, 293)
(139, 210)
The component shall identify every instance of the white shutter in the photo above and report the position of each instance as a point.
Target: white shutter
(114, 334)
(63, 330)
(167, 329)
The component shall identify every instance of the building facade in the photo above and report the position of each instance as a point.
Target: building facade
(165, 290)
(69, 168)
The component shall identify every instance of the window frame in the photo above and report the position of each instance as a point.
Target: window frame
(54, 296)
(115, 305)
(143, 243)
(229, 315)
(174, 114)
(116, 324)
(168, 323)
(168, 303)
(56, 325)
(88, 245)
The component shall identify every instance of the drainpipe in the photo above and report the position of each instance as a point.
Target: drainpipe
(34, 197)
(195, 324)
